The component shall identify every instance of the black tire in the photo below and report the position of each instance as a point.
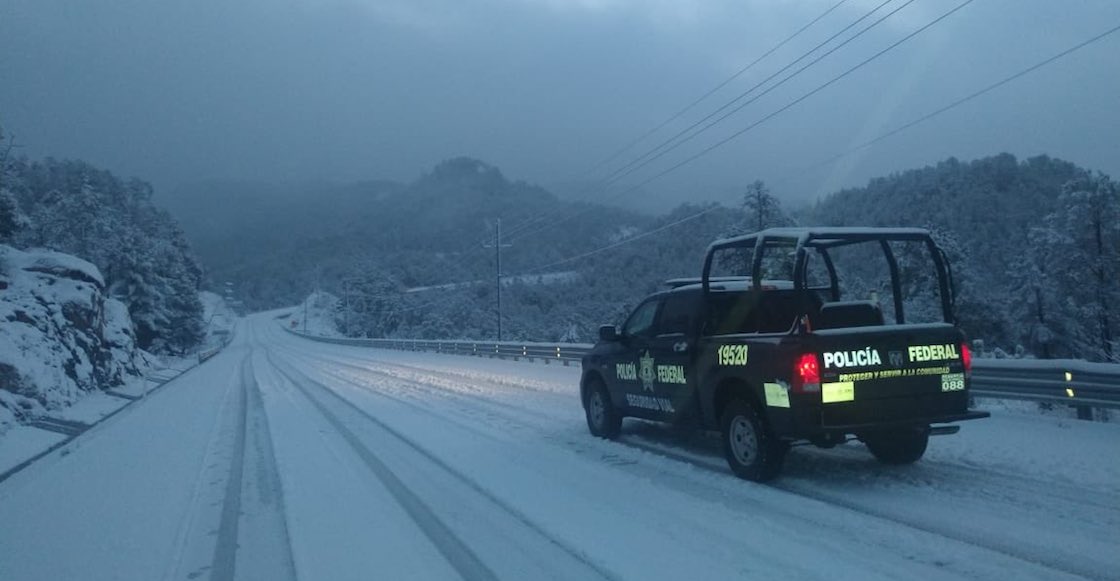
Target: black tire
(751, 450)
(603, 420)
(901, 446)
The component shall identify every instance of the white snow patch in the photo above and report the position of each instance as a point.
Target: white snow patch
(315, 315)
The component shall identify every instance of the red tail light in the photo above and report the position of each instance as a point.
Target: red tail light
(807, 374)
(966, 358)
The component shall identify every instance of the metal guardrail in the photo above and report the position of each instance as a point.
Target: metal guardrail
(1061, 381)
(564, 353)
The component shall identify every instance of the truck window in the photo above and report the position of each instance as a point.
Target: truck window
(640, 323)
(730, 313)
(675, 315)
(749, 312)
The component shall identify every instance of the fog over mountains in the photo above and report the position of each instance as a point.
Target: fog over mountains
(1030, 282)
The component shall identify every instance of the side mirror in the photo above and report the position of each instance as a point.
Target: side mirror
(608, 333)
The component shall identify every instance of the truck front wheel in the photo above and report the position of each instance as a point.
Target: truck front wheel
(902, 446)
(751, 450)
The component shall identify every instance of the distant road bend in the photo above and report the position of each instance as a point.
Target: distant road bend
(282, 458)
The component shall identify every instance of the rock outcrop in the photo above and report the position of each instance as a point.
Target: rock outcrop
(60, 335)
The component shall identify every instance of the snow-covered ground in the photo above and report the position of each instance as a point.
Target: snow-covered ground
(315, 315)
(219, 319)
(283, 458)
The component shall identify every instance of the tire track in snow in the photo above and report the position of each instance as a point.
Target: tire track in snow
(999, 480)
(263, 545)
(299, 379)
(715, 464)
(223, 566)
(191, 557)
(591, 448)
(453, 549)
(251, 540)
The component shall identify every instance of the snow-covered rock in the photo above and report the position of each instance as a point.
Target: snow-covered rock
(60, 335)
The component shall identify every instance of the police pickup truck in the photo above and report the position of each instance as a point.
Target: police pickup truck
(770, 363)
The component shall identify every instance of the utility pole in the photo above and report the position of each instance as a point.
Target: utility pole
(348, 290)
(498, 246)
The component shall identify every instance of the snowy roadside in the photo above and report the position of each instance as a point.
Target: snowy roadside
(22, 444)
(1024, 485)
(996, 443)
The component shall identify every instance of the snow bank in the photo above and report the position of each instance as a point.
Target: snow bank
(61, 336)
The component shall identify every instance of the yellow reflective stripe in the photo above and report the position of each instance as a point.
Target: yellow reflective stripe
(838, 391)
(776, 395)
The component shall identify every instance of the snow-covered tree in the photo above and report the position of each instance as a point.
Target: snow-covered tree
(371, 303)
(1078, 247)
(11, 219)
(759, 210)
(78, 209)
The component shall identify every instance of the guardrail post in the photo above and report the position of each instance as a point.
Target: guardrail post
(1084, 412)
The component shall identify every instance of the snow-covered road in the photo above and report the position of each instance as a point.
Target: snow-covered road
(283, 458)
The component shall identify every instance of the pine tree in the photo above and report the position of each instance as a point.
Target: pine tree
(372, 303)
(1083, 254)
(759, 210)
(78, 209)
(11, 219)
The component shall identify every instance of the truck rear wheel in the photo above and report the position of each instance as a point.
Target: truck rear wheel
(751, 450)
(603, 420)
(902, 446)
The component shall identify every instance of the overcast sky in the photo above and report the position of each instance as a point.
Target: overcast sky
(342, 90)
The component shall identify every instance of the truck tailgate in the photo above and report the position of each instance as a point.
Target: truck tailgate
(875, 375)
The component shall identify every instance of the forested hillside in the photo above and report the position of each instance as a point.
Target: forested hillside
(1035, 246)
(75, 208)
(275, 244)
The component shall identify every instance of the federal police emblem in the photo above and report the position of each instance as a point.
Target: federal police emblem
(645, 371)
(895, 358)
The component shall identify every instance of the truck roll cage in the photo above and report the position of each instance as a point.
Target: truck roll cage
(820, 240)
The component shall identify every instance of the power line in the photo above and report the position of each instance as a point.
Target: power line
(672, 142)
(897, 130)
(802, 98)
(714, 89)
(788, 106)
(688, 218)
(735, 135)
(965, 99)
(531, 221)
(891, 133)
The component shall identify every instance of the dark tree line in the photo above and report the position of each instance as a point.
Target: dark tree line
(1034, 247)
(1034, 244)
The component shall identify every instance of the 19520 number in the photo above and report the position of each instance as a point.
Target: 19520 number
(732, 354)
